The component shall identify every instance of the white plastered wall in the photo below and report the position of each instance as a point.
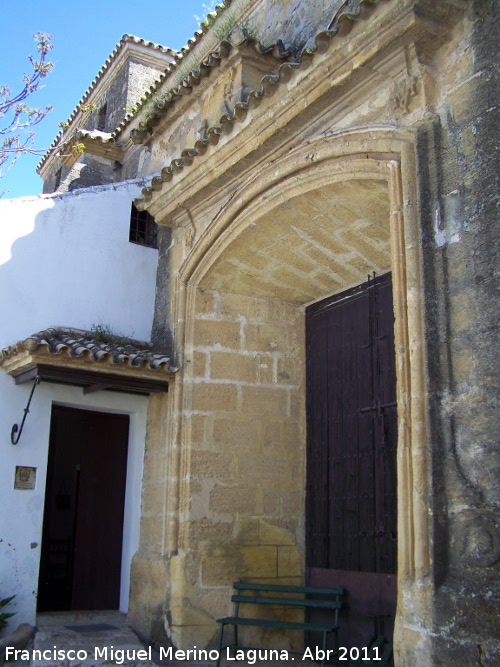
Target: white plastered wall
(65, 260)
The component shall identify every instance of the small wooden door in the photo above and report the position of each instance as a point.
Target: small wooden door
(99, 512)
(84, 506)
(352, 438)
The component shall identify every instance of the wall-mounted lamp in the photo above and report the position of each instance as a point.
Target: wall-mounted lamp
(19, 429)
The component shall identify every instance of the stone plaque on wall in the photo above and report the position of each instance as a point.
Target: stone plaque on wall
(25, 478)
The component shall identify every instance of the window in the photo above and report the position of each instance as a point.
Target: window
(101, 118)
(143, 228)
(57, 178)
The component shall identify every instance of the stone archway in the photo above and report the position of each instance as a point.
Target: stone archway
(310, 225)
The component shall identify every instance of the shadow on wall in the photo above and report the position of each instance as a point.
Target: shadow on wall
(65, 260)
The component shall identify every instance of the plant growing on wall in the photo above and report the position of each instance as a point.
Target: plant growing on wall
(4, 616)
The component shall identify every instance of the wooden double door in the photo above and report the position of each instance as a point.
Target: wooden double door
(80, 565)
(351, 537)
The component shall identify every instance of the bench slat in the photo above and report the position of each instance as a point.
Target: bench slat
(267, 623)
(289, 602)
(240, 585)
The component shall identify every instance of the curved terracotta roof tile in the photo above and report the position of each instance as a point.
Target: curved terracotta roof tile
(340, 26)
(124, 40)
(90, 345)
(179, 56)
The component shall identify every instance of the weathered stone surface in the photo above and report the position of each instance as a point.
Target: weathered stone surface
(272, 534)
(208, 397)
(377, 156)
(228, 366)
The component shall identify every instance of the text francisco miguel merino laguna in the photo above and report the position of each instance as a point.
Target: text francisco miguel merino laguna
(120, 656)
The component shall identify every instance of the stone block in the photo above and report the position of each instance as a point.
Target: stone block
(236, 306)
(234, 499)
(276, 535)
(464, 316)
(470, 98)
(247, 530)
(208, 397)
(155, 466)
(195, 487)
(270, 501)
(264, 401)
(463, 364)
(231, 366)
(290, 562)
(301, 262)
(272, 433)
(234, 431)
(294, 502)
(221, 570)
(192, 627)
(259, 561)
(265, 369)
(216, 334)
(153, 494)
(264, 468)
(199, 425)
(294, 435)
(212, 465)
(289, 370)
(216, 601)
(279, 337)
(297, 405)
(150, 535)
(200, 364)
(205, 302)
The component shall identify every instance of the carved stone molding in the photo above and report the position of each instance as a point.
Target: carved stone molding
(403, 92)
(481, 541)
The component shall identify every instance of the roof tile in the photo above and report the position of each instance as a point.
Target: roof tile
(93, 346)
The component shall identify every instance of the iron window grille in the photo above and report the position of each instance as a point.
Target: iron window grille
(143, 228)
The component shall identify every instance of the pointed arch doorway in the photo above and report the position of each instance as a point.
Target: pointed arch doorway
(317, 230)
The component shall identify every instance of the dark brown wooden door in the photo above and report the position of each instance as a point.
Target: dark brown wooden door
(352, 437)
(99, 514)
(84, 505)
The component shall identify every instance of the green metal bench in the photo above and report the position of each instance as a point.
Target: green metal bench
(305, 597)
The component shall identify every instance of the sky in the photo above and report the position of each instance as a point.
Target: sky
(84, 34)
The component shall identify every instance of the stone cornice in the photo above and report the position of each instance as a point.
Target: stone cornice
(96, 143)
(392, 25)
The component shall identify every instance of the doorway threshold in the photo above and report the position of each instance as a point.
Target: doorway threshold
(87, 639)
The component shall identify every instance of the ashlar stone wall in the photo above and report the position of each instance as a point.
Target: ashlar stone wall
(383, 140)
(246, 467)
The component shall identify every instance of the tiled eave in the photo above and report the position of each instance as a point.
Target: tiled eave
(75, 357)
(179, 58)
(330, 66)
(182, 59)
(287, 64)
(122, 45)
(159, 109)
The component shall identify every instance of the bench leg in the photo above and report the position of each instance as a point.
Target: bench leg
(324, 649)
(220, 644)
(336, 646)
